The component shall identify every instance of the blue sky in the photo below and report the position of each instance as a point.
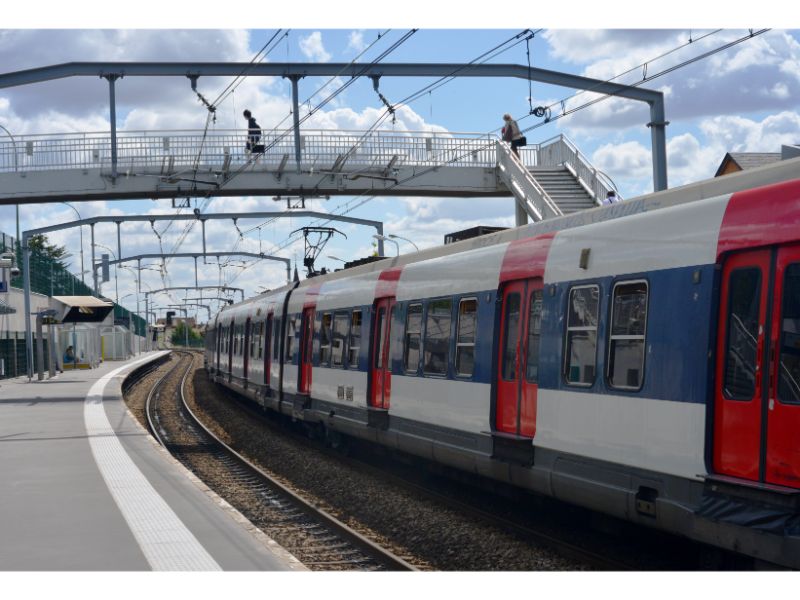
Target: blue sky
(742, 99)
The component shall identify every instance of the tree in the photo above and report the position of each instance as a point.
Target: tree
(40, 244)
(179, 335)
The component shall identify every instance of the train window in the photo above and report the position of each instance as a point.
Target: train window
(627, 339)
(355, 340)
(437, 337)
(511, 336)
(580, 353)
(261, 339)
(380, 331)
(789, 363)
(291, 326)
(744, 298)
(534, 333)
(339, 338)
(251, 331)
(465, 342)
(325, 340)
(412, 338)
(276, 349)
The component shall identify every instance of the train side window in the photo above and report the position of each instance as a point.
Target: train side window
(276, 346)
(325, 340)
(339, 338)
(534, 333)
(291, 326)
(253, 335)
(465, 341)
(789, 361)
(355, 340)
(580, 350)
(412, 337)
(744, 300)
(511, 336)
(261, 340)
(380, 332)
(437, 337)
(628, 330)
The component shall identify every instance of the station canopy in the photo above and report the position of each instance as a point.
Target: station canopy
(82, 309)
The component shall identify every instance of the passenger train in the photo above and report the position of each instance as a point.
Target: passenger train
(641, 359)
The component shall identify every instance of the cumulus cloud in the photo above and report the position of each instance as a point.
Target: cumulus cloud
(759, 74)
(356, 41)
(312, 48)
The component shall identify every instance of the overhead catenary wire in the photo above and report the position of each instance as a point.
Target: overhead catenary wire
(752, 33)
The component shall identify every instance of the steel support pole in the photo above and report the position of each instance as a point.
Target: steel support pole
(113, 116)
(658, 141)
(26, 283)
(296, 115)
(379, 227)
(39, 348)
(94, 270)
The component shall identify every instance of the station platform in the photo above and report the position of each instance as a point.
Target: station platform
(83, 487)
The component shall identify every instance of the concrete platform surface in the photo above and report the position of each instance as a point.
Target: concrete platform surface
(83, 487)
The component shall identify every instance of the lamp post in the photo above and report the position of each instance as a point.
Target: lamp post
(80, 229)
(383, 238)
(397, 237)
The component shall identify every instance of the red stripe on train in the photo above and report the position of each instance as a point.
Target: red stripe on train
(526, 258)
(760, 217)
(386, 285)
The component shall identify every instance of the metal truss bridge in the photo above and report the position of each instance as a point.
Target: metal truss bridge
(171, 164)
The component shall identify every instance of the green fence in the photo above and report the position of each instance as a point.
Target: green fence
(51, 278)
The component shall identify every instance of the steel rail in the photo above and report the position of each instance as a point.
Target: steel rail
(364, 544)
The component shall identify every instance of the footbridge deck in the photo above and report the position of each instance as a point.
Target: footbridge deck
(169, 164)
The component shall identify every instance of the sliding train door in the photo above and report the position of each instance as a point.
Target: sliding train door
(757, 390)
(306, 351)
(381, 368)
(518, 358)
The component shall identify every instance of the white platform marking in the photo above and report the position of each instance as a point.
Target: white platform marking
(165, 541)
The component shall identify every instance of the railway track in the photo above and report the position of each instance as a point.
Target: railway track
(632, 548)
(316, 538)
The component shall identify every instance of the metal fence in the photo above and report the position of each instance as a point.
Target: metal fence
(51, 278)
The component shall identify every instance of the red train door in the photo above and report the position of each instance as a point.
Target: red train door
(220, 343)
(246, 349)
(518, 358)
(230, 349)
(381, 370)
(267, 343)
(739, 387)
(306, 349)
(782, 463)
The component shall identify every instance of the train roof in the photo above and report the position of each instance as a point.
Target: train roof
(781, 171)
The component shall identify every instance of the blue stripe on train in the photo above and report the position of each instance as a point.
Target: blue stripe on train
(677, 360)
(677, 363)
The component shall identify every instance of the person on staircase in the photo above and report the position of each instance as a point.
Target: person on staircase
(512, 134)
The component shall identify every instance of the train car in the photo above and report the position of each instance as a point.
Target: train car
(640, 359)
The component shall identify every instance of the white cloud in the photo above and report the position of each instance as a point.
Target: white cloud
(312, 48)
(356, 41)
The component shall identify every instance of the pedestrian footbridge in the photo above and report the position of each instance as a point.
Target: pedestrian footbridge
(547, 179)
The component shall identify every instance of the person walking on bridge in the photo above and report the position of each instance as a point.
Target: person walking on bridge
(253, 134)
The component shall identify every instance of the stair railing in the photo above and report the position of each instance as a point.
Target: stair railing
(530, 195)
(560, 151)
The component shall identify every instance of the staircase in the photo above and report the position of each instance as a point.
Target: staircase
(562, 186)
(550, 179)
